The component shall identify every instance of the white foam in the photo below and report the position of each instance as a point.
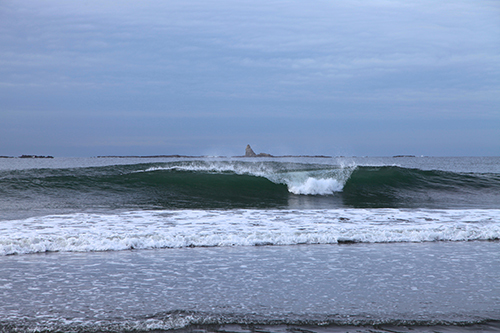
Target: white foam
(256, 169)
(173, 229)
(316, 186)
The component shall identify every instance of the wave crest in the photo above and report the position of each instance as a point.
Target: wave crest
(299, 178)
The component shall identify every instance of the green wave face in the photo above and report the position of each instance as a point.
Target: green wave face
(392, 186)
(227, 185)
(188, 189)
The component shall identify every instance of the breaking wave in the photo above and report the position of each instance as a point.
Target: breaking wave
(238, 184)
(84, 232)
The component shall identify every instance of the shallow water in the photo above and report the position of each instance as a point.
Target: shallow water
(415, 284)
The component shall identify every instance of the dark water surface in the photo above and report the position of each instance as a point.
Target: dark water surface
(60, 186)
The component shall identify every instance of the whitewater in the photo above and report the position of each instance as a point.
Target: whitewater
(198, 228)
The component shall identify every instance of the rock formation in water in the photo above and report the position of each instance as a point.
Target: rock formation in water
(249, 152)
(35, 156)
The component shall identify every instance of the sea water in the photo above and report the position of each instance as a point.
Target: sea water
(250, 244)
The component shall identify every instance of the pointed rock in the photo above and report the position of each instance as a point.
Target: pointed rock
(249, 152)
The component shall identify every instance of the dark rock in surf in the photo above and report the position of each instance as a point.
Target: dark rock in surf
(249, 152)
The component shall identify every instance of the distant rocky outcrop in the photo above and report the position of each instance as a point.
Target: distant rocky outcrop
(250, 153)
(264, 155)
(152, 156)
(35, 156)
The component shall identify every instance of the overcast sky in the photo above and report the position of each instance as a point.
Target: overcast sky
(382, 77)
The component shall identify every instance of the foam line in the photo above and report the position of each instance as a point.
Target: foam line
(85, 232)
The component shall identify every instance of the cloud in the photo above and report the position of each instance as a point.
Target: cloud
(179, 41)
(340, 60)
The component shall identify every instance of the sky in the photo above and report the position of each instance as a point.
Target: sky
(203, 77)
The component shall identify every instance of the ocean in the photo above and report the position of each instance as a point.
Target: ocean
(218, 244)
